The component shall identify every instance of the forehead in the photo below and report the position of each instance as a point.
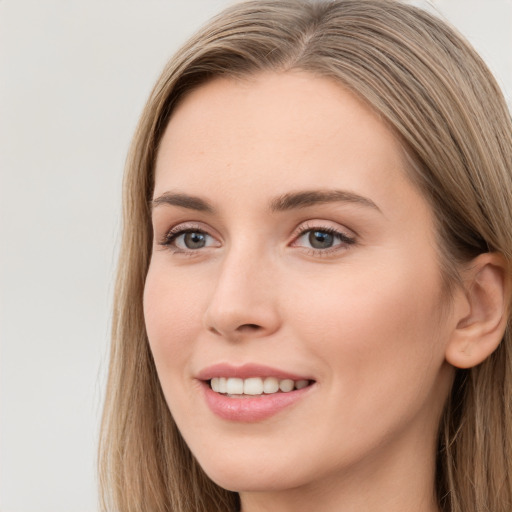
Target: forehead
(282, 130)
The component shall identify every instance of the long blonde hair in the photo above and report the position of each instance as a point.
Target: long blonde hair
(438, 96)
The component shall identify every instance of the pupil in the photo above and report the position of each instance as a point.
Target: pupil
(194, 240)
(320, 240)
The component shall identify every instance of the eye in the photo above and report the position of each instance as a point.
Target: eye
(322, 239)
(191, 240)
(185, 239)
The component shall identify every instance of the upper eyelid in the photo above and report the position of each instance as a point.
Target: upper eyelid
(324, 225)
(299, 230)
(344, 238)
(191, 225)
(182, 227)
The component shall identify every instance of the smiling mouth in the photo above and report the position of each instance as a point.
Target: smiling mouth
(234, 387)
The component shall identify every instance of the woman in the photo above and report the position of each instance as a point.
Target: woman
(313, 298)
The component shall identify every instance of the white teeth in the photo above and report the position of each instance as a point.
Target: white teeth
(234, 386)
(255, 385)
(270, 385)
(286, 385)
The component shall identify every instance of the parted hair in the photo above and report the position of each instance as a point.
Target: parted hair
(439, 98)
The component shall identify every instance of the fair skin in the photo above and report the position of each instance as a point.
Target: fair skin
(343, 290)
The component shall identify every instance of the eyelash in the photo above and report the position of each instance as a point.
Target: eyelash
(170, 237)
(344, 239)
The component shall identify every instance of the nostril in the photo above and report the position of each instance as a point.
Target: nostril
(249, 327)
(244, 328)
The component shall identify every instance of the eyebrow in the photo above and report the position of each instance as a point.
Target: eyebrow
(183, 201)
(307, 198)
(289, 201)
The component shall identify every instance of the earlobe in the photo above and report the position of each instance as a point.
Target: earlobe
(487, 292)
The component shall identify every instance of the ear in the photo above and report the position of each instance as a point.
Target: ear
(481, 326)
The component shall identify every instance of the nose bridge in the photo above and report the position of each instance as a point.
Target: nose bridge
(243, 301)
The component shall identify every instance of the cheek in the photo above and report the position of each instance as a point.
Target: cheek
(388, 300)
(172, 317)
(378, 331)
(380, 345)
(173, 323)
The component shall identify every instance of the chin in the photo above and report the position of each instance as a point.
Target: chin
(249, 481)
(246, 475)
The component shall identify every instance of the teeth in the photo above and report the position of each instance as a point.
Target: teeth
(301, 384)
(255, 385)
(286, 385)
(270, 385)
(235, 386)
(223, 385)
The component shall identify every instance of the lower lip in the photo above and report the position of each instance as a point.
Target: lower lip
(251, 409)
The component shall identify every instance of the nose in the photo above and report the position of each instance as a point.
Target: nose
(244, 303)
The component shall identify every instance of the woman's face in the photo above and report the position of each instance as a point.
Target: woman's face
(290, 249)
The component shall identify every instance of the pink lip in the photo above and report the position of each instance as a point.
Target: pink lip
(249, 409)
(246, 371)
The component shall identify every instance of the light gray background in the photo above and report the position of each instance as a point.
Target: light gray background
(74, 76)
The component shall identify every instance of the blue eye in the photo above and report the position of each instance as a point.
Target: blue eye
(192, 240)
(323, 239)
(188, 239)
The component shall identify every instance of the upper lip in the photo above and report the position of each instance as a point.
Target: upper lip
(246, 371)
